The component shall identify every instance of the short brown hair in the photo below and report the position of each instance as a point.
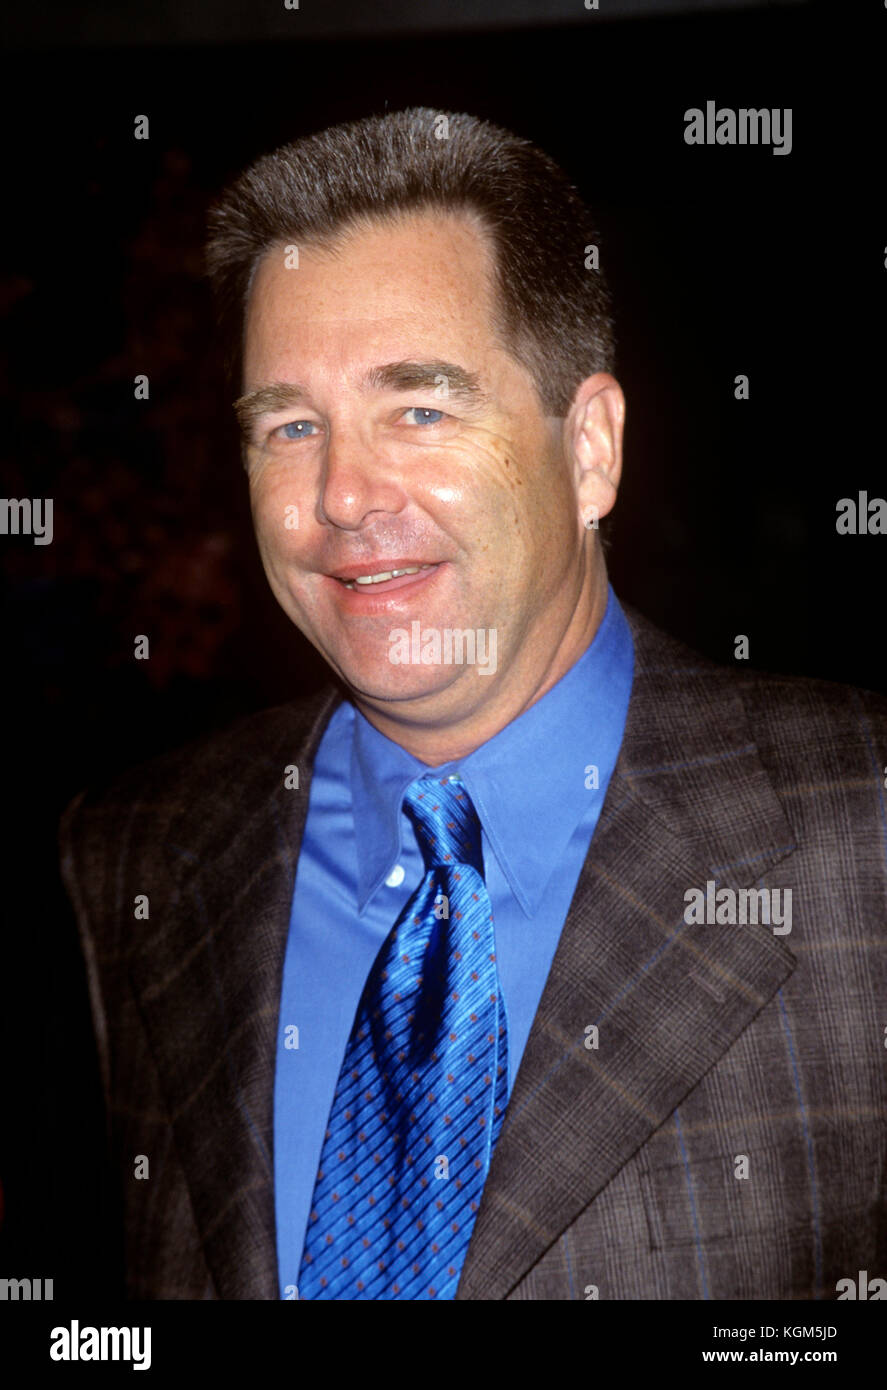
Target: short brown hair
(554, 312)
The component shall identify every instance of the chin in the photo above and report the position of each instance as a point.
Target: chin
(373, 681)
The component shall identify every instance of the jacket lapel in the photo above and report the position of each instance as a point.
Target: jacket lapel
(688, 802)
(208, 975)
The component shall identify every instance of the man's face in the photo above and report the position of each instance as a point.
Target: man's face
(408, 436)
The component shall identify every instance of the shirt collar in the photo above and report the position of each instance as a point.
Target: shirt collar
(529, 804)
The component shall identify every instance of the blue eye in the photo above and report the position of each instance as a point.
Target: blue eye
(424, 416)
(297, 429)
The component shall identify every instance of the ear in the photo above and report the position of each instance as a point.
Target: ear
(594, 428)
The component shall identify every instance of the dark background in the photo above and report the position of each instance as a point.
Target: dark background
(722, 260)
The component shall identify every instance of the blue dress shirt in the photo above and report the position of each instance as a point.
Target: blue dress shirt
(537, 786)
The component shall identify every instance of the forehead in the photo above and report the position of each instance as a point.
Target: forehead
(421, 285)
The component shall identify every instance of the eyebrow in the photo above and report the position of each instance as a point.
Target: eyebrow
(461, 385)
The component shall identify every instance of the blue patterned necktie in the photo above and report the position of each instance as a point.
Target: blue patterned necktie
(424, 1082)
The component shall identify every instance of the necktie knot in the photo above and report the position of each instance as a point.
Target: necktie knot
(445, 821)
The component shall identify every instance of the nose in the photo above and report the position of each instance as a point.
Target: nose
(356, 481)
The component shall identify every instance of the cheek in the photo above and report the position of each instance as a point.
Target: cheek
(500, 487)
(526, 494)
(535, 519)
(279, 513)
(274, 541)
(491, 475)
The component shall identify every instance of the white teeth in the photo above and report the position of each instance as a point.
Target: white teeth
(380, 578)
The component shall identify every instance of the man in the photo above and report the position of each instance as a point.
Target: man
(537, 957)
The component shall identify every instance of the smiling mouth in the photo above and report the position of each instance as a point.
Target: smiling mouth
(366, 581)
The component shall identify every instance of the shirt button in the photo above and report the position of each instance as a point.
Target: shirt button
(396, 877)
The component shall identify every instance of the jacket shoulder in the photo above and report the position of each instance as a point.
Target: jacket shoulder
(785, 710)
(129, 815)
(821, 736)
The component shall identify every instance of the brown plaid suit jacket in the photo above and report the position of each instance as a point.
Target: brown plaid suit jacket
(615, 1171)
